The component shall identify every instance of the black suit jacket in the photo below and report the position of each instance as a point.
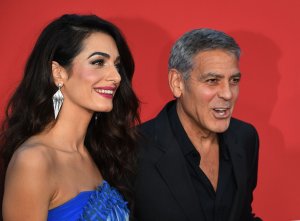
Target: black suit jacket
(164, 190)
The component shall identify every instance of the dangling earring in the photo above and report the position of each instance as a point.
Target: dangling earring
(58, 100)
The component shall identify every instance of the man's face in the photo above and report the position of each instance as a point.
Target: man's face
(208, 96)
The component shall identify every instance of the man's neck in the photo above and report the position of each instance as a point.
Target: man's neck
(202, 139)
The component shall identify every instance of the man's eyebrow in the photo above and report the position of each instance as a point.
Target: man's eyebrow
(100, 53)
(237, 75)
(216, 75)
(211, 74)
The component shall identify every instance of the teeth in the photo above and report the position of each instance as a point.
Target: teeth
(102, 91)
(220, 111)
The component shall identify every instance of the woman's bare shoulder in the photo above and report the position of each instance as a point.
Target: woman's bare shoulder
(32, 155)
(29, 184)
(31, 164)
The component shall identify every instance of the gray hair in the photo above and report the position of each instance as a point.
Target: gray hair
(191, 43)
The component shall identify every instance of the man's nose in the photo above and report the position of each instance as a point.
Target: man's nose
(225, 91)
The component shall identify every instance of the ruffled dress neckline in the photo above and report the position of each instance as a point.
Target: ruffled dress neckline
(103, 204)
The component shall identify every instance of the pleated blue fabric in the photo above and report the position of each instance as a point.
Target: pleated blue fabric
(103, 204)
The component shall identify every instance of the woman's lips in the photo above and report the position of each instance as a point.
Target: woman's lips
(107, 92)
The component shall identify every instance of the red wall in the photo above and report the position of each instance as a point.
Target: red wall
(268, 32)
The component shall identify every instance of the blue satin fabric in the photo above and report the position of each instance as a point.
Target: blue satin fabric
(103, 204)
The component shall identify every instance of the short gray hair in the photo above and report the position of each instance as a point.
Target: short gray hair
(191, 43)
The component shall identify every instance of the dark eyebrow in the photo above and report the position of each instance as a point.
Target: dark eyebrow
(236, 75)
(100, 53)
(104, 55)
(210, 74)
(215, 75)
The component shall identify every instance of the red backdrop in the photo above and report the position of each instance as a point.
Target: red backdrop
(267, 31)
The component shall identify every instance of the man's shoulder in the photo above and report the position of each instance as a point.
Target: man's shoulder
(240, 125)
(242, 131)
(149, 127)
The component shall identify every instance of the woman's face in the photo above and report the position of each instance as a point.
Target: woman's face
(94, 78)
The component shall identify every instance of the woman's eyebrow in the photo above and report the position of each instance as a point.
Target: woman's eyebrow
(100, 53)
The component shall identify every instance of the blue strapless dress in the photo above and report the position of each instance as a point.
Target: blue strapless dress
(103, 204)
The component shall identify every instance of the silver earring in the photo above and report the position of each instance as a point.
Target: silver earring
(58, 100)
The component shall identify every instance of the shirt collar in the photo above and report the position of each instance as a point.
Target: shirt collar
(183, 140)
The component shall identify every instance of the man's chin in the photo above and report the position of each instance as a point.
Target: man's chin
(221, 127)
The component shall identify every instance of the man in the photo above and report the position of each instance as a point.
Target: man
(197, 162)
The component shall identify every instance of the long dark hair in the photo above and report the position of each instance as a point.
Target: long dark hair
(110, 139)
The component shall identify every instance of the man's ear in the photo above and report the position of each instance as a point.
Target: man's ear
(59, 74)
(176, 82)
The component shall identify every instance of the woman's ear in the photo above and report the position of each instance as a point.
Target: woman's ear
(59, 74)
(176, 82)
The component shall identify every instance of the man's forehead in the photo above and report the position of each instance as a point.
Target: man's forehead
(215, 64)
(214, 53)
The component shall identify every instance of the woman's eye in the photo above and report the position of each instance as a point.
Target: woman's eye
(99, 62)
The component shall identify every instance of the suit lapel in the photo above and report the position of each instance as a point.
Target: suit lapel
(171, 165)
(238, 162)
(173, 169)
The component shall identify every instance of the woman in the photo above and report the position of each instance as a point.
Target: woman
(68, 137)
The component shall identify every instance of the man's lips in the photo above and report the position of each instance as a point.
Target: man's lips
(221, 112)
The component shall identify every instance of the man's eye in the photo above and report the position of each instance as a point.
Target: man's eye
(235, 80)
(212, 80)
(99, 62)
